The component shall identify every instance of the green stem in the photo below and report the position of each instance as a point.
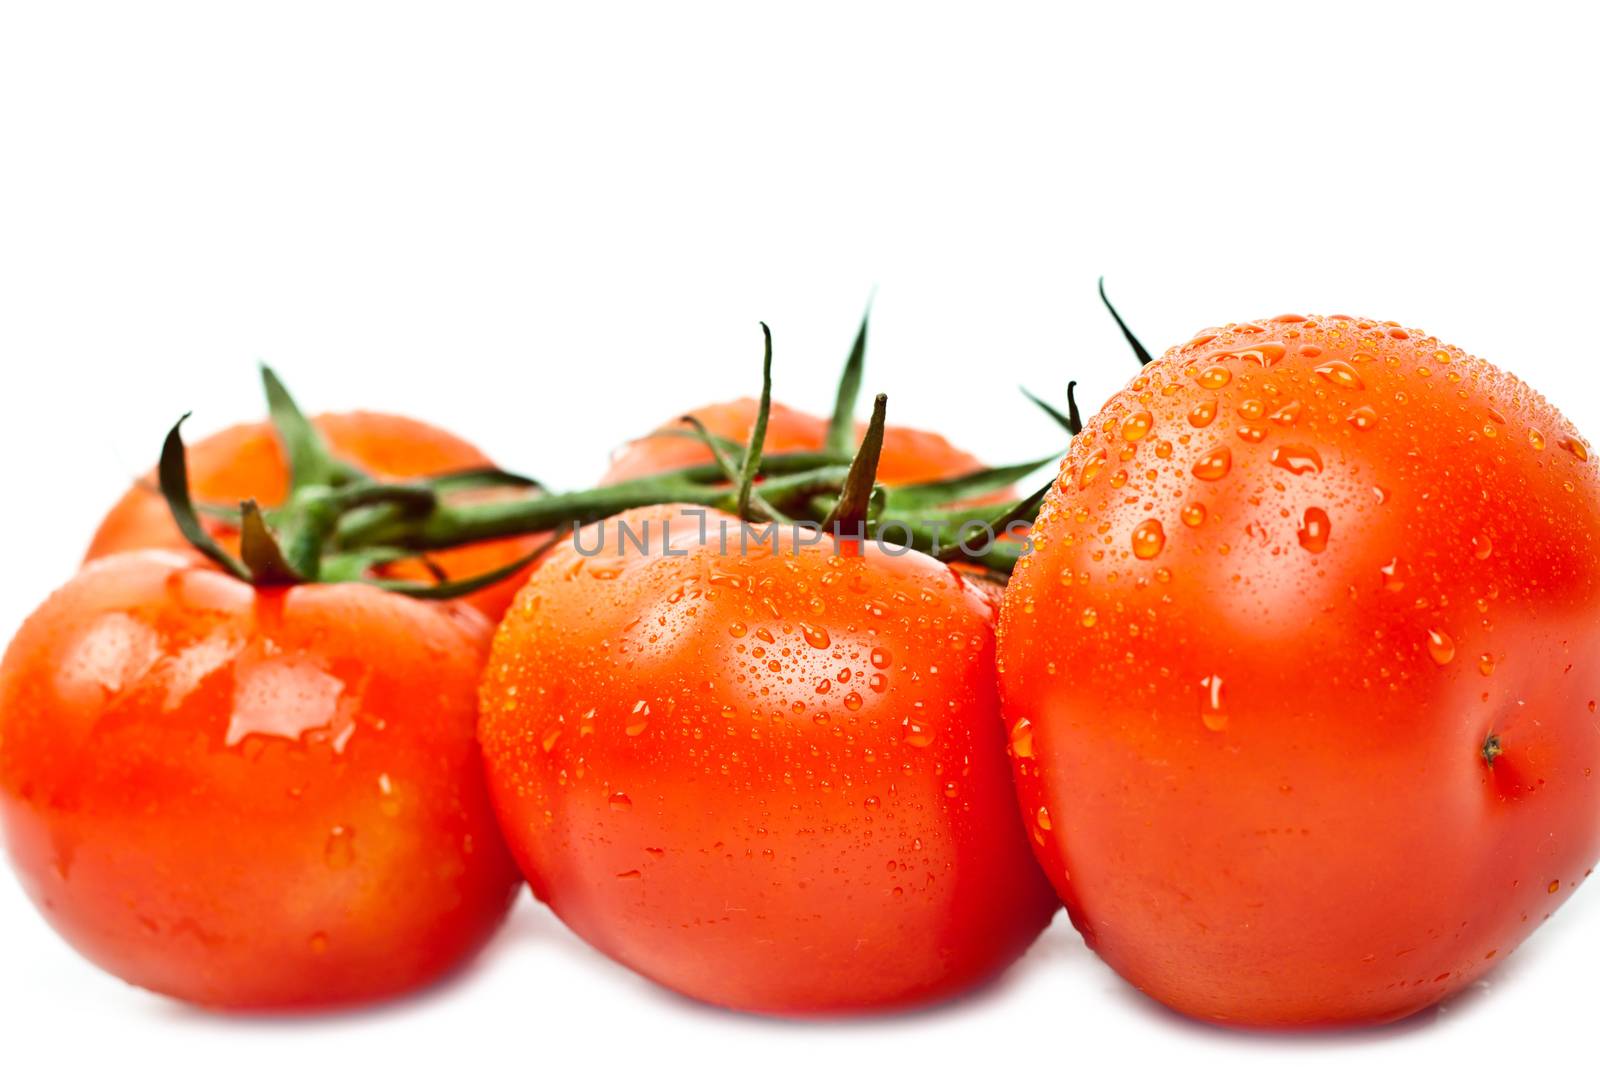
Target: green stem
(450, 525)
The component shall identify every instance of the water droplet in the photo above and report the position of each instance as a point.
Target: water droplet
(1314, 530)
(870, 803)
(1342, 374)
(1214, 465)
(1091, 467)
(1441, 647)
(1576, 447)
(551, 736)
(1536, 439)
(1486, 664)
(1148, 539)
(1251, 434)
(1088, 618)
(1297, 459)
(620, 802)
(1391, 576)
(1022, 739)
(1211, 713)
(852, 701)
(1553, 886)
(339, 851)
(1252, 409)
(815, 636)
(388, 801)
(1286, 415)
(1482, 547)
(1135, 426)
(586, 724)
(1193, 514)
(916, 733)
(1362, 418)
(1042, 817)
(880, 658)
(1215, 377)
(630, 875)
(638, 719)
(1202, 413)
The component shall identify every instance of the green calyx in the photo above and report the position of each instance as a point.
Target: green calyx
(340, 525)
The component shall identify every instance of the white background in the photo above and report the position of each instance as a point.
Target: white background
(552, 229)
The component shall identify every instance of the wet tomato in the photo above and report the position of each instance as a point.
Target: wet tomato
(769, 777)
(1301, 678)
(248, 798)
(246, 462)
(908, 457)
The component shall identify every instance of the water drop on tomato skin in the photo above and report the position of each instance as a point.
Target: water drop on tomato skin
(1193, 514)
(1148, 539)
(1297, 459)
(638, 719)
(1092, 467)
(815, 636)
(1482, 547)
(1362, 418)
(1211, 714)
(1135, 426)
(1576, 447)
(1536, 439)
(620, 802)
(1041, 818)
(1314, 530)
(1338, 372)
(1215, 377)
(1251, 434)
(1022, 739)
(1201, 414)
(1441, 647)
(1214, 465)
(916, 733)
(1287, 415)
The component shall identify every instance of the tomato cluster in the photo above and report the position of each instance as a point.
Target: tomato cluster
(1289, 694)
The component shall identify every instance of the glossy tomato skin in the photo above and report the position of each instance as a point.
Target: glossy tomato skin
(1294, 587)
(908, 457)
(246, 462)
(250, 800)
(775, 783)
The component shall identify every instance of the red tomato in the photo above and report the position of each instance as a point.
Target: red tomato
(250, 798)
(1302, 676)
(247, 462)
(909, 456)
(774, 781)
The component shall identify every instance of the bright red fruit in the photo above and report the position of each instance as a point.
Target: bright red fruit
(772, 779)
(1302, 676)
(251, 798)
